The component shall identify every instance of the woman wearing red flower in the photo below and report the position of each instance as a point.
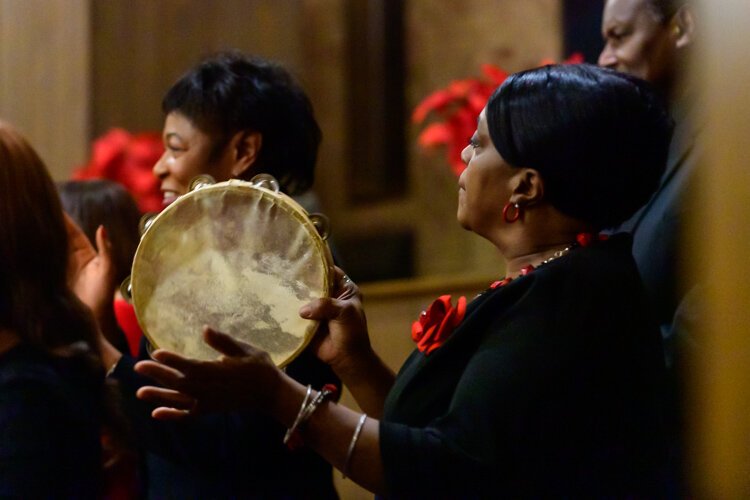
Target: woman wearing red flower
(548, 384)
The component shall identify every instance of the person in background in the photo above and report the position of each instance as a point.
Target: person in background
(232, 117)
(94, 203)
(103, 203)
(51, 381)
(547, 384)
(654, 39)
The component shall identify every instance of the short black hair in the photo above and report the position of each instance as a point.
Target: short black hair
(665, 9)
(598, 138)
(229, 92)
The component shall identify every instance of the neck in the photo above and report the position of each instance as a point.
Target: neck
(534, 257)
(544, 231)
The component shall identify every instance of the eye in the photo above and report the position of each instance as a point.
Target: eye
(617, 35)
(173, 148)
(473, 143)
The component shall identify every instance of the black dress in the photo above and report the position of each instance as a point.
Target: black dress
(50, 424)
(550, 386)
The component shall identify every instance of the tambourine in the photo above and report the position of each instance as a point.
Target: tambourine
(238, 256)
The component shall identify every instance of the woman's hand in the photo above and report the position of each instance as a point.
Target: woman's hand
(91, 277)
(243, 378)
(91, 273)
(343, 337)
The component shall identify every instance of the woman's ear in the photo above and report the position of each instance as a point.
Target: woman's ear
(245, 146)
(683, 23)
(528, 187)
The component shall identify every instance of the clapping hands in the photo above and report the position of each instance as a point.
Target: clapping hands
(242, 378)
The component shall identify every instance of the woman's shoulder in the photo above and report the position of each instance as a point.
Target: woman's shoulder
(595, 286)
(606, 265)
(49, 428)
(30, 377)
(25, 364)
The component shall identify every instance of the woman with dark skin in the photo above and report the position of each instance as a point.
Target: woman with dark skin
(231, 117)
(50, 376)
(549, 383)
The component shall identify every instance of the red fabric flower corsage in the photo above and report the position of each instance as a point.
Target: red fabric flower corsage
(437, 323)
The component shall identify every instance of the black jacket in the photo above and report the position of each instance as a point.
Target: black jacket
(551, 386)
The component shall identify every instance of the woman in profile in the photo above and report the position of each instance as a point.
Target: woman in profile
(547, 384)
(232, 117)
(51, 382)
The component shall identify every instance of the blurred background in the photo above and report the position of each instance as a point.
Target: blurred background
(70, 70)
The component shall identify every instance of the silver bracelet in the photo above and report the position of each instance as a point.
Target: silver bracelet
(352, 445)
(292, 438)
(298, 418)
(113, 368)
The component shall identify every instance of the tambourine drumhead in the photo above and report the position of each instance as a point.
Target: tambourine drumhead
(240, 258)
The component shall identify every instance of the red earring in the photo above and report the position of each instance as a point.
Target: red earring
(511, 217)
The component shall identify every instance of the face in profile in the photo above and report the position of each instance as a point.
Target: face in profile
(637, 41)
(188, 152)
(484, 186)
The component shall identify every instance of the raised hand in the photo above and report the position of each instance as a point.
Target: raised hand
(91, 273)
(242, 378)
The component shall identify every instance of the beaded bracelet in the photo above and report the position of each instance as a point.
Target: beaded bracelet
(292, 438)
(352, 445)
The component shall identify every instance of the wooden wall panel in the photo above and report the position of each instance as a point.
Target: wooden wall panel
(445, 40)
(44, 77)
(449, 40)
(720, 377)
(142, 46)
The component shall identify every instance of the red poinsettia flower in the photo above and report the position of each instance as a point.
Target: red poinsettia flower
(128, 159)
(458, 106)
(437, 323)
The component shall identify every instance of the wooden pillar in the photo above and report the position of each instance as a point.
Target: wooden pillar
(44, 77)
(721, 240)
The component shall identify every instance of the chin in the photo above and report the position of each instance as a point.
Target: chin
(462, 221)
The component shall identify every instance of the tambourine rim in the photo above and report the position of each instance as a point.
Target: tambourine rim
(284, 202)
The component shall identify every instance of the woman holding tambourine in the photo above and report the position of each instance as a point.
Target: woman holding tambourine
(231, 117)
(545, 384)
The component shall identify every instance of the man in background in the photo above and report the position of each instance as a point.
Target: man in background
(653, 39)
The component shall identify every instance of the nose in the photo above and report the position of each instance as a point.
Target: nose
(160, 167)
(466, 154)
(607, 58)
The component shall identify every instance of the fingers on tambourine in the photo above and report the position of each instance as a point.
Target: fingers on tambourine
(321, 309)
(225, 344)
